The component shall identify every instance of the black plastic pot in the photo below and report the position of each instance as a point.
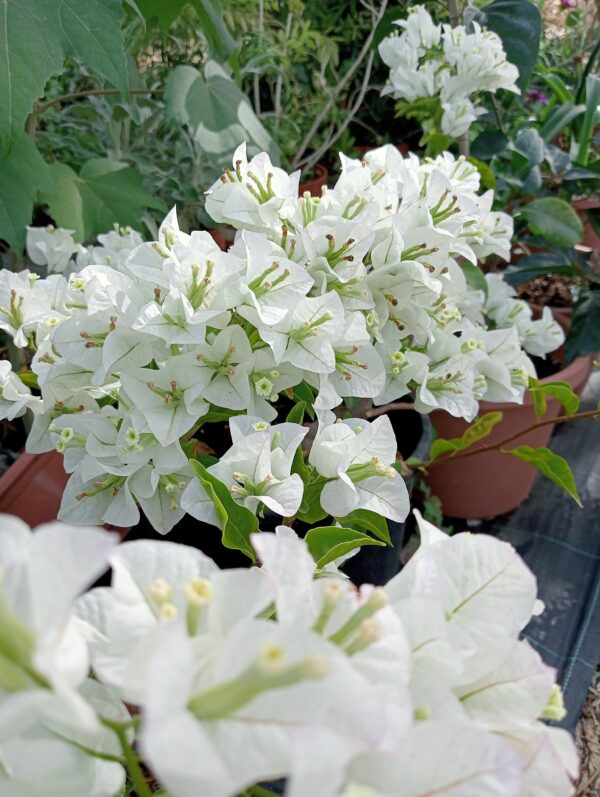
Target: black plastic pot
(373, 564)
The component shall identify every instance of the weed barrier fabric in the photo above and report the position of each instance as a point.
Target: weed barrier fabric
(561, 544)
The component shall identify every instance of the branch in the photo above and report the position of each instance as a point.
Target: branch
(315, 156)
(341, 85)
(470, 452)
(395, 405)
(75, 95)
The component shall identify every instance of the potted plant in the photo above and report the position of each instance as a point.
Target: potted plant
(306, 310)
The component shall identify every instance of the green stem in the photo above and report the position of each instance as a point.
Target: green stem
(142, 789)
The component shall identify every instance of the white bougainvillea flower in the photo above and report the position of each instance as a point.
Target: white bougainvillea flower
(21, 304)
(304, 336)
(518, 689)
(201, 288)
(47, 246)
(220, 369)
(167, 398)
(486, 591)
(95, 496)
(267, 380)
(453, 759)
(152, 585)
(257, 472)
(252, 195)
(15, 397)
(355, 456)
(358, 372)
(44, 658)
(403, 366)
(238, 716)
(60, 756)
(273, 284)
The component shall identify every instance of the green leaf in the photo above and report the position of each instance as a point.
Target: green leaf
(519, 25)
(328, 543)
(311, 510)
(30, 51)
(584, 334)
(237, 521)
(488, 144)
(479, 429)
(22, 175)
(550, 465)
(91, 32)
(105, 192)
(161, 12)
(216, 111)
(220, 41)
(530, 144)
(561, 391)
(219, 414)
(558, 119)
(303, 392)
(475, 277)
(369, 521)
(35, 37)
(538, 265)
(592, 93)
(555, 220)
(488, 178)
(296, 414)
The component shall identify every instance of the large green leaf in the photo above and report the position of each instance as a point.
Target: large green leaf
(35, 37)
(238, 523)
(555, 220)
(584, 335)
(217, 112)
(105, 192)
(519, 25)
(91, 31)
(30, 51)
(22, 175)
(550, 465)
(479, 429)
(328, 543)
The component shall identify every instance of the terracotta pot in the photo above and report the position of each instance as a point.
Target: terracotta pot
(489, 484)
(315, 185)
(590, 236)
(32, 488)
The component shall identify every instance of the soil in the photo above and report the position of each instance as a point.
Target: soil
(553, 290)
(587, 738)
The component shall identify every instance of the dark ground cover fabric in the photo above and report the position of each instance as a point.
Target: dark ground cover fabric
(561, 544)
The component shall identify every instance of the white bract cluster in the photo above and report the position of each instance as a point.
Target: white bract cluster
(358, 294)
(241, 677)
(453, 65)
